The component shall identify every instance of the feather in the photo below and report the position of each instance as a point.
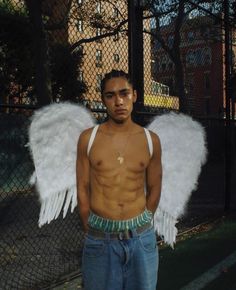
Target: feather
(183, 153)
(53, 137)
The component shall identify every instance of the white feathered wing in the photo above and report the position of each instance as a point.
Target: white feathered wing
(183, 153)
(53, 137)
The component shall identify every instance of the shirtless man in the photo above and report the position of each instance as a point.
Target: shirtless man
(119, 183)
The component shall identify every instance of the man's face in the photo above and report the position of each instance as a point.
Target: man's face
(118, 97)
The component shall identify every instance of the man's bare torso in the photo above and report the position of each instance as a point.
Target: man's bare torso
(117, 187)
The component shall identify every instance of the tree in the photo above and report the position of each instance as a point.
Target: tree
(173, 15)
(40, 46)
(53, 26)
(64, 73)
(48, 20)
(34, 70)
(93, 18)
(16, 68)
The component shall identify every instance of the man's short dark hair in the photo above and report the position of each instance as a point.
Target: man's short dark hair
(115, 74)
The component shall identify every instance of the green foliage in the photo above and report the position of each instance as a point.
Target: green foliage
(64, 70)
(14, 8)
(17, 67)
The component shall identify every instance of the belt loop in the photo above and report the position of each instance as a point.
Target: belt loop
(108, 236)
(134, 232)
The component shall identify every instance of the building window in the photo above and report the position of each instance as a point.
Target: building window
(190, 84)
(80, 26)
(98, 84)
(157, 45)
(98, 55)
(115, 12)
(159, 88)
(190, 58)
(98, 58)
(171, 84)
(98, 31)
(154, 68)
(207, 57)
(116, 36)
(116, 57)
(207, 82)
(80, 76)
(198, 57)
(205, 32)
(99, 7)
(190, 36)
(170, 40)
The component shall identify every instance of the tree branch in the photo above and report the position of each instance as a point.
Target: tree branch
(114, 5)
(162, 42)
(62, 23)
(98, 37)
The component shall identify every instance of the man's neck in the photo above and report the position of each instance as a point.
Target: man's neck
(114, 126)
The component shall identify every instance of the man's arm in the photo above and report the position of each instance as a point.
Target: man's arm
(154, 176)
(82, 177)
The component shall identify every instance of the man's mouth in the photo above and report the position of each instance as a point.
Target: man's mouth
(120, 111)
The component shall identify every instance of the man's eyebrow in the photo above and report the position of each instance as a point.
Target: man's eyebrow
(124, 90)
(120, 91)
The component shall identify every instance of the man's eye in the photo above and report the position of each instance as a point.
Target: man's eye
(124, 94)
(108, 96)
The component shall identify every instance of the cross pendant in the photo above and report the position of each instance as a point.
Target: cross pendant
(120, 159)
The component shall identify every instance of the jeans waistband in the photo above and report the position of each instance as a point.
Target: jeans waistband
(108, 225)
(121, 235)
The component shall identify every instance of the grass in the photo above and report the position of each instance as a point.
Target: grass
(195, 255)
(226, 281)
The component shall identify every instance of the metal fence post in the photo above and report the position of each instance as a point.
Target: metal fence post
(42, 84)
(227, 108)
(135, 42)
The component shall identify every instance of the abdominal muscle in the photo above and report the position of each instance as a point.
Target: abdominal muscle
(117, 194)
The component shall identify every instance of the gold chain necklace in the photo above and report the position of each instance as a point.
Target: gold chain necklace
(121, 156)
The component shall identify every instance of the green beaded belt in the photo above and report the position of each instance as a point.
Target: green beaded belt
(108, 225)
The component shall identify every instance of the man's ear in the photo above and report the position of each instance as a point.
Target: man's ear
(135, 96)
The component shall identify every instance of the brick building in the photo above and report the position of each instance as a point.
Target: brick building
(80, 23)
(202, 58)
(102, 55)
(89, 20)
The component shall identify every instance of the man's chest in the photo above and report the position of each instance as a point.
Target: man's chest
(110, 156)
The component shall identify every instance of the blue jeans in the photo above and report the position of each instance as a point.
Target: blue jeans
(113, 264)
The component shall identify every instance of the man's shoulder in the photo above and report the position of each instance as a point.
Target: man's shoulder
(85, 135)
(138, 128)
(155, 140)
(87, 132)
(154, 135)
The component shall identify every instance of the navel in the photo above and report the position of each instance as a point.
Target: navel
(99, 163)
(141, 164)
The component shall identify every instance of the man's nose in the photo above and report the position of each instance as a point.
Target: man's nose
(118, 100)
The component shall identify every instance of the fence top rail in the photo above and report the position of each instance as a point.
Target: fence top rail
(18, 106)
(139, 112)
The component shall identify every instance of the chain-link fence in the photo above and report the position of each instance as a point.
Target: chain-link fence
(185, 68)
(30, 257)
(61, 51)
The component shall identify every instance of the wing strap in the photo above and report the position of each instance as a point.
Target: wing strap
(91, 139)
